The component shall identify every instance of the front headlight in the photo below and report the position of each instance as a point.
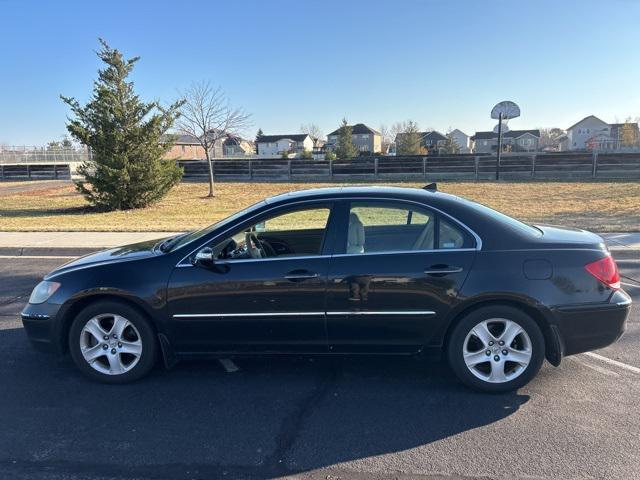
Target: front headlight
(43, 291)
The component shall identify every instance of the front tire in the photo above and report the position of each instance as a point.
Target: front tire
(496, 349)
(112, 342)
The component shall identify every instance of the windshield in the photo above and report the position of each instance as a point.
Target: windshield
(192, 236)
(504, 219)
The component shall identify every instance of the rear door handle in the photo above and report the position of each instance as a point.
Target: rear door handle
(300, 275)
(442, 269)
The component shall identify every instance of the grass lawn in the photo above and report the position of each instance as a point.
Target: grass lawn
(598, 206)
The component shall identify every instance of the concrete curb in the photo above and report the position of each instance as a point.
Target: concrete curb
(625, 253)
(47, 251)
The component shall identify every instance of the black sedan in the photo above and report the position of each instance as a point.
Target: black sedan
(358, 270)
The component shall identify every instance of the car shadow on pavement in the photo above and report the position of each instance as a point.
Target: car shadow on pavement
(274, 416)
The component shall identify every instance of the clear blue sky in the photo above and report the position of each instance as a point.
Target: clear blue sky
(441, 63)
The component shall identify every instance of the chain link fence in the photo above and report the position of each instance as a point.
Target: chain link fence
(22, 154)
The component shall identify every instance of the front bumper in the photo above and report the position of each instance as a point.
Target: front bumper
(586, 327)
(43, 329)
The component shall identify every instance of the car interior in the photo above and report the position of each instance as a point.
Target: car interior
(370, 229)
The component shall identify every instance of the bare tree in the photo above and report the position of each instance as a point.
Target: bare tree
(396, 128)
(387, 137)
(208, 117)
(549, 136)
(313, 130)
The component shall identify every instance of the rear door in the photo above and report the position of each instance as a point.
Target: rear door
(398, 268)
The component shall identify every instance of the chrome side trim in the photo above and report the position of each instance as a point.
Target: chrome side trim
(625, 302)
(290, 314)
(261, 314)
(268, 259)
(434, 250)
(390, 312)
(437, 271)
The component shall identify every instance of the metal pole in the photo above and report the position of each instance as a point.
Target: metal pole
(499, 146)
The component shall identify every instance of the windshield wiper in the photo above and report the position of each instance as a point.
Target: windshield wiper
(169, 243)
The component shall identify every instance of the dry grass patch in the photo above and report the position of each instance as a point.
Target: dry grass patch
(599, 206)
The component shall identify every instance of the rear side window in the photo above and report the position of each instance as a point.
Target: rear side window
(450, 236)
(376, 227)
(389, 227)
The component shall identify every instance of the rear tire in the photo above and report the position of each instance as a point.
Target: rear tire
(496, 349)
(112, 342)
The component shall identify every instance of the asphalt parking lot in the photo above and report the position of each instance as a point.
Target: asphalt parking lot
(312, 418)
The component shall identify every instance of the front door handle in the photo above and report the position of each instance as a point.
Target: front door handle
(297, 275)
(442, 269)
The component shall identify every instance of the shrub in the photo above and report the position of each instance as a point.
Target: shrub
(127, 140)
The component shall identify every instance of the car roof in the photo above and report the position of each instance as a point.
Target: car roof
(350, 191)
(494, 231)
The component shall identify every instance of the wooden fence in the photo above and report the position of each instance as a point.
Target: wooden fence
(35, 171)
(563, 166)
(464, 167)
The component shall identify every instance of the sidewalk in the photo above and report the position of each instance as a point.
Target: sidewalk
(69, 243)
(617, 241)
(81, 243)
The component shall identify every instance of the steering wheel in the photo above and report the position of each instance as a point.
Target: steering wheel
(261, 249)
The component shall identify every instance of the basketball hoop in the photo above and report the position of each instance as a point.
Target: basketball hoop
(503, 112)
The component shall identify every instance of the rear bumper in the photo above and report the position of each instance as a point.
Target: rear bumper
(586, 327)
(41, 326)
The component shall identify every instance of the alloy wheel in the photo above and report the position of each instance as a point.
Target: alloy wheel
(497, 350)
(110, 344)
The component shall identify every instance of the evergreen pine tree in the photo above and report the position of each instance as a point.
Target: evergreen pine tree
(409, 141)
(258, 137)
(450, 145)
(126, 137)
(345, 148)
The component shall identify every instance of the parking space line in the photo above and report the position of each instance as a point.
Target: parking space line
(229, 365)
(630, 284)
(630, 368)
(604, 371)
(64, 257)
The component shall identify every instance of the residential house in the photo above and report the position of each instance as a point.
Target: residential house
(234, 146)
(185, 147)
(364, 138)
(625, 135)
(587, 134)
(431, 141)
(462, 140)
(276, 145)
(512, 141)
(592, 133)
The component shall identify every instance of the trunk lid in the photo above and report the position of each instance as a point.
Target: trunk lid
(563, 237)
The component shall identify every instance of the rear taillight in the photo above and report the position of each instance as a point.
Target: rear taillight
(606, 271)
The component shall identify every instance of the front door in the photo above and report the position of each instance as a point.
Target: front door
(264, 292)
(401, 268)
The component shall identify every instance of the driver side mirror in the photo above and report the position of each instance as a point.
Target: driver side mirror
(204, 256)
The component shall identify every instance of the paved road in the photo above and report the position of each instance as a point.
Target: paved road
(311, 418)
(11, 188)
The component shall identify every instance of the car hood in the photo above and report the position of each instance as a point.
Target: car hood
(134, 251)
(567, 235)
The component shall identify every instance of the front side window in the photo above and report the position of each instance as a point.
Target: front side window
(293, 233)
